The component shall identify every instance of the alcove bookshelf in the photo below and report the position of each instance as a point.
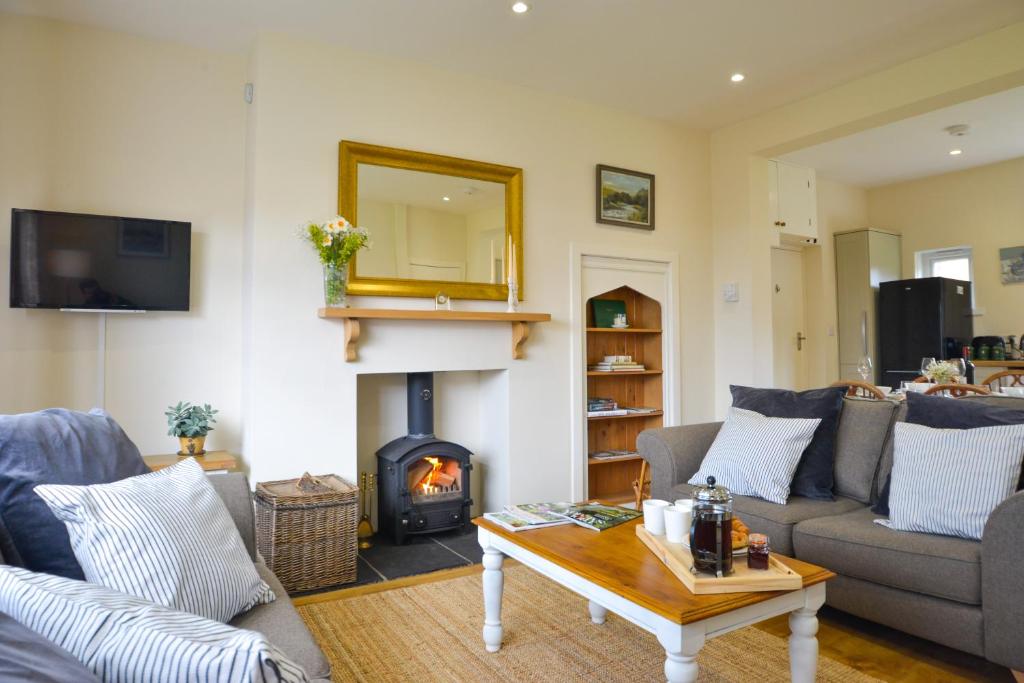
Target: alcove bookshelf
(611, 480)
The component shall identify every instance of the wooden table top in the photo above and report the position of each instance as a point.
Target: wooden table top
(210, 461)
(618, 561)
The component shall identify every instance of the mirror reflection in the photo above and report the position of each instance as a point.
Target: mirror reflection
(426, 226)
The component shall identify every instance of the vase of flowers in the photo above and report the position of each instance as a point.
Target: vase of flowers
(942, 372)
(336, 241)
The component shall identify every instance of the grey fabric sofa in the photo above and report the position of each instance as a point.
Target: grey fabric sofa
(964, 594)
(278, 620)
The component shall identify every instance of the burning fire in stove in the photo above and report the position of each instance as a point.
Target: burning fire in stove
(433, 476)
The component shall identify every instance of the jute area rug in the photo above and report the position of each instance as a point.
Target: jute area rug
(431, 632)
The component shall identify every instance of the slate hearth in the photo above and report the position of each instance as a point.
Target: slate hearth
(418, 555)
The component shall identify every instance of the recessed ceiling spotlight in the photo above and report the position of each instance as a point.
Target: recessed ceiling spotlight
(955, 152)
(737, 77)
(446, 199)
(520, 7)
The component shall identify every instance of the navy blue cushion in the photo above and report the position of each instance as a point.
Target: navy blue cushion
(942, 412)
(55, 446)
(27, 656)
(813, 477)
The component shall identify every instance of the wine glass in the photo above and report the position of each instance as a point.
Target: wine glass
(961, 369)
(925, 363)
(864, 367)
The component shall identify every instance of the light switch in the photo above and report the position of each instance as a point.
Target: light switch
(831, 330)
(731, 292)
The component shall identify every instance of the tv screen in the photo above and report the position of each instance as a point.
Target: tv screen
(79, 261)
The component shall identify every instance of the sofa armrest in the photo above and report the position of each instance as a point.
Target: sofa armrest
(675, 453)
(1002, 583)
(233, 488)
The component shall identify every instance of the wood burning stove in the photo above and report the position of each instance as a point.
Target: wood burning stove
(423, 482)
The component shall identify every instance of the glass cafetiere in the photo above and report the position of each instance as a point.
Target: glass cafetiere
(711, 529)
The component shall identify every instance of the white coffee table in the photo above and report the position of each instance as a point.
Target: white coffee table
(617, 573)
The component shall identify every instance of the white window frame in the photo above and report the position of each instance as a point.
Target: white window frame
(926, 259)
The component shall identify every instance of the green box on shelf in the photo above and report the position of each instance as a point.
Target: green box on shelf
(605, 311)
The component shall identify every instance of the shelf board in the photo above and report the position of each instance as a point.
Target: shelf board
(625, 330)
(629, 416)
(617, 498)
(599, 461)
(633, 373)
(351, 317)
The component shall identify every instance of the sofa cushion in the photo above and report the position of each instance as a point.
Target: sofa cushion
(283, 627)
(27, 656)
(853, 545)
(778, 520)
(55, 446)
(865, 426)
(814, 474)
(164, 536)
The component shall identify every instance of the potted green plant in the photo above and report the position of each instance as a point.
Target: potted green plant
(190, 424)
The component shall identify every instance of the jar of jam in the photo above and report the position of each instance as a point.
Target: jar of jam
(757, 551)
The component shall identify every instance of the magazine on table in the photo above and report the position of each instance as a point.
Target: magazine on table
(600, 517)
(529, 516)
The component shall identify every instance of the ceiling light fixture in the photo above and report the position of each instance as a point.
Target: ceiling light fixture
(446, 199)
(955, 152)
(737, 77)
(520, 7)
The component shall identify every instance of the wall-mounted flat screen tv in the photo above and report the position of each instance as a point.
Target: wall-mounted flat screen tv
(80, 261)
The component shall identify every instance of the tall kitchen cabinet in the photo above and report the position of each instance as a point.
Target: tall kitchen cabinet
(864, 259)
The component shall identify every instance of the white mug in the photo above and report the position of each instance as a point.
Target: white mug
(654, 515)
(677, 523)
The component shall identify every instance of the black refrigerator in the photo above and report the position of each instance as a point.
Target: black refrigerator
(922, 317)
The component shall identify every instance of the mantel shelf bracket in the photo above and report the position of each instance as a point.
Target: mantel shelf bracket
(351, 318)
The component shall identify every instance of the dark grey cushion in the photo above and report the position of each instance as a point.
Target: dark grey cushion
(813, 477)
(941, 412)
(778, 520)
(56, 446)
(284, 628)
(864, 427)
(27, 656)
(853, 545)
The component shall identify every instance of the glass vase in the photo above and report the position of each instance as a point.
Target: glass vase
(335, 282)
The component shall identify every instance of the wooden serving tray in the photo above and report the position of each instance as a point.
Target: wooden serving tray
(778, 577)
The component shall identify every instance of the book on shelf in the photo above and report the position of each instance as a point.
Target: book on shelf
(602, 404)
(640, 410)
(607, 413)
(613, 455)
(600, 517)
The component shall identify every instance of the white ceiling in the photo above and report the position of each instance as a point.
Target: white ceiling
(668, 59)
(416, 188)
(918, 146)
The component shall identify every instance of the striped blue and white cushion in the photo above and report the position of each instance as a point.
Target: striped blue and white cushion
(165, 536)
(754, 455)
(127, 639)
(948, 481)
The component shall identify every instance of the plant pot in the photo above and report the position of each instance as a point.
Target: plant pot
(192, 445)
(335, 284)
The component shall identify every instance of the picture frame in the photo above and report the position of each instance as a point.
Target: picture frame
(1011, 265)
(625, 198)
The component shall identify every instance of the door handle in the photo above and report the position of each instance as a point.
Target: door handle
(800, 341)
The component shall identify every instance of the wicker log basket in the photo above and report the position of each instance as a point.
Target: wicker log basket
(306, 530)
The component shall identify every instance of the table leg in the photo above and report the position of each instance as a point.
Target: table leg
(681, 645)
(597, 612)
(803, 646)
(494, 582)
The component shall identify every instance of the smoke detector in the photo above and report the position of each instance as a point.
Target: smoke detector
(958, 130)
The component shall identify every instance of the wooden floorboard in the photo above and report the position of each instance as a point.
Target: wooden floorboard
(875, 650)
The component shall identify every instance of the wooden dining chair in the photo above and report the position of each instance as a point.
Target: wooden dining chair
(859, 388)
(921, 379)
(642, 485)
(957, 390)
(1005, 378)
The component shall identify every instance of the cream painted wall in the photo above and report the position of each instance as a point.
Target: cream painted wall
(841, 207)
(981, 207)
(739, 176)
(102, 122)
(296, 374)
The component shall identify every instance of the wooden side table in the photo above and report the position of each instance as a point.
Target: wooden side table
(211, 461)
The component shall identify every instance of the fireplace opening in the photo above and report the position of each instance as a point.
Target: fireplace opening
(423, 481)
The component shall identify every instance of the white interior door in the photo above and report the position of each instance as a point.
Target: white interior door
(788, 340)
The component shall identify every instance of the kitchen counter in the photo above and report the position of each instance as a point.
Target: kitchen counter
(999, 363)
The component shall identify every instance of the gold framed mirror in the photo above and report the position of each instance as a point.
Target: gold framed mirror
(437, 224)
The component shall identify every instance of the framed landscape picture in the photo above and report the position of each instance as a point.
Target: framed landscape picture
(625, 198)
(1011, 262)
